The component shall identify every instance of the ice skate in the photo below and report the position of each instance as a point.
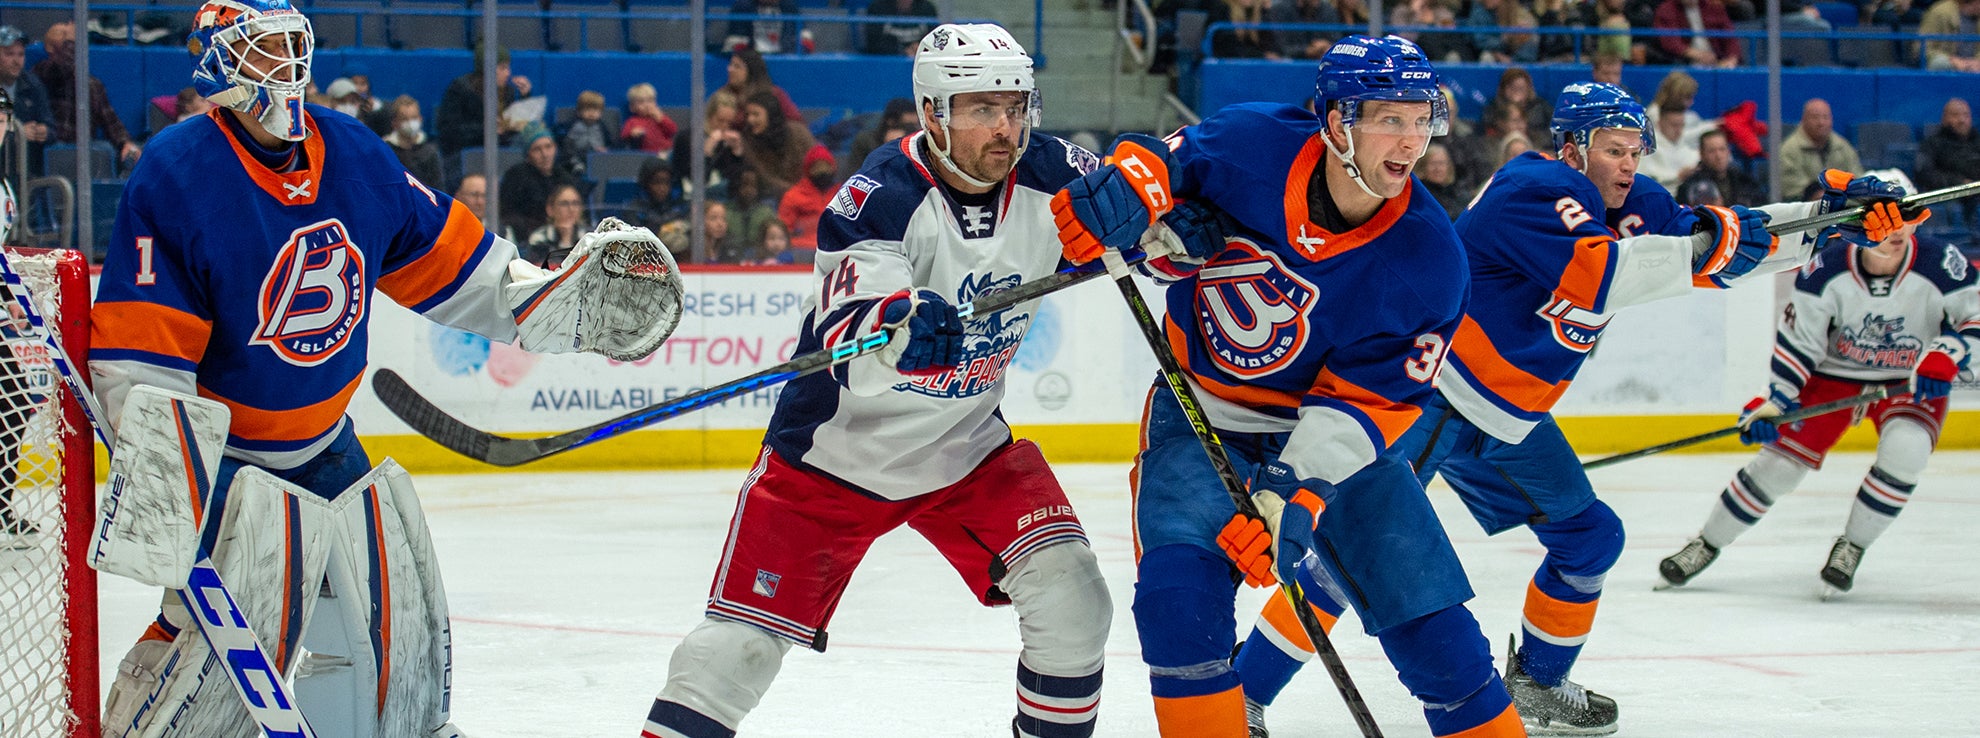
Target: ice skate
(1254, 719)
(1840, 573)
(1565, 709)
(1678, 568)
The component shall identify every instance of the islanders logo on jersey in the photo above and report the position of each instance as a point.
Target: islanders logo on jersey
(989, 343)
(313, 299)
(1252, 310)
(1880, 342)
(1575, 327)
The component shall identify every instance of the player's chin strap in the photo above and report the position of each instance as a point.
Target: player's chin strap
(941, 153)
(1347, 159)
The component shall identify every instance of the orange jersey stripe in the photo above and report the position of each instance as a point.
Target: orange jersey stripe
(426, 276)
(1280, 615)
(149, 327)
(1512, 384)
(299, 424)
(1557, 618)
(1581, 281)
(1390, 417)
(1219, 715)
(1245, 395)
(1506, 725)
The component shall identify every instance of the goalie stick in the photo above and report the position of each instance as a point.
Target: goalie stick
(1870, 394)
(1843, 216)
(434, 423)
(236, 648)
(1172, 374)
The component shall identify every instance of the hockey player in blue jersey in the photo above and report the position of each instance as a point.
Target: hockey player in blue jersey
(1312, 338)
(913, 435)
(1557, 244)
(230, 327)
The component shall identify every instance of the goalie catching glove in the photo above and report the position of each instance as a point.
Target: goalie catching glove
(618, 294)
(1268, 546)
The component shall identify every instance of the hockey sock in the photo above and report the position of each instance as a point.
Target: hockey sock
(1183, 614)
(1561, 599)
(1056, 707)
(1752, 492)
(1878, 502)
(1278, 645)
(1445, 662)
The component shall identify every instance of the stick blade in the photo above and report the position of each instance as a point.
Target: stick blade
(429, 420)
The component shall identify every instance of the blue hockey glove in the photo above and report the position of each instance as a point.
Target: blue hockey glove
(1934, 376)
(927, 332)
(1110, 207)
(1840, 187)
(1756, 425)
(1266, 548)
(1201, 229)
(1730, 241)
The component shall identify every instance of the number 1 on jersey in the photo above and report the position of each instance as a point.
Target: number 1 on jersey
(145, 276)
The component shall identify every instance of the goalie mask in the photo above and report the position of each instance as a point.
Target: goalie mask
(960, 59)
(253, 56)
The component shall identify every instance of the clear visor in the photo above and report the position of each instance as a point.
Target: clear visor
(271, 51)
(1416, 118)
(994, 114)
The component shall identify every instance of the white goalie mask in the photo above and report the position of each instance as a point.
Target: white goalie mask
(253, 56)
(960, 59)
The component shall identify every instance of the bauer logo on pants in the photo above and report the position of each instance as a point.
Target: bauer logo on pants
(766, 583)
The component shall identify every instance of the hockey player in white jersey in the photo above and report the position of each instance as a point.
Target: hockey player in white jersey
(913, 435)
(1862, 313)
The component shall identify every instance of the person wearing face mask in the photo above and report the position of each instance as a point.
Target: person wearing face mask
(1557, 244)
(805, 201)
(346, 98)
(408, 139)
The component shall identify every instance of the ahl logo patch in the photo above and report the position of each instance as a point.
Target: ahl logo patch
(313, 299)
(766, 583)
(1080, 159)
(851, 197)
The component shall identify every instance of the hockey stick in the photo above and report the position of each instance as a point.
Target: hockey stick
(1870, 394)
(434, 423)
(235, 646)
(1919, 200)
(1172, 374)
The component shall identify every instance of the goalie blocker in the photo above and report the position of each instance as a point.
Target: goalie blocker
(346, 589)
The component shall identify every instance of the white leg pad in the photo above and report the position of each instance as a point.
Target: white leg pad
(722, 669)
(168, 452)
(1064, 610)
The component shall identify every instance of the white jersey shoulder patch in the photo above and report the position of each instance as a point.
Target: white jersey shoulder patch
(852, 196)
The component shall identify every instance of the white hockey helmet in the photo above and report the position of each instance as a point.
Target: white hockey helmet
(253, 56)
(958, 59)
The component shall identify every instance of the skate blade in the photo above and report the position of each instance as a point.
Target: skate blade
(1829, 592)
(1663, 584)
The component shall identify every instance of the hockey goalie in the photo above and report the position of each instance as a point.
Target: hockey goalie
(230, 332)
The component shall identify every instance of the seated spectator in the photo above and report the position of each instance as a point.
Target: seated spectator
(58, 76)
(647, 127)
(345, 98)
(894, 38)
(1314, 44)
(1613, 15)
(1949, 17)
(1951, 157)
(1490, 46)
(528, 184)
(457, 122)
(1674, 159)
(1607, 68)
(1512, 146)
(420, 156)
(1730, 184)
(1893, 13)
(563, 223)
(748, 75)
(31, 113)
(660, 206)
(1437, 47)
(586, 133)
(1245, 41)
(897, 120)
(769, 35)
(1678, 91)
(473, 195)
(805, 201)
(773, 146)
(1695, 49)
(1557, 13)
(1813, 148)
(1515, 95)
(721, 237)
(773, 247)
(721, 144)
(1440, 177)
(190, 104)
(748, 211)
(1698, 192)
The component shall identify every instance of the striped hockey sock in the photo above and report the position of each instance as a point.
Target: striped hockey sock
(1056, 707)
(1878, 502)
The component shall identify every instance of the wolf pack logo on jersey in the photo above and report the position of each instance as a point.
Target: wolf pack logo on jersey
(989, 343)
(1083, 161)
(851, 196)
(314, 296)
(1252, 310)
(1955, 262)
(1574, 327)
(1880, 343)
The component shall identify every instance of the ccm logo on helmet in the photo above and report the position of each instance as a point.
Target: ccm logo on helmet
(1415, 75)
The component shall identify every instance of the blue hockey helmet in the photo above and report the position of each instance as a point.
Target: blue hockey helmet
(1362, 68)
(253, 56)
(1585, 107)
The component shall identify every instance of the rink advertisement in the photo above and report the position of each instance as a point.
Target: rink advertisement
(1076, 382)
